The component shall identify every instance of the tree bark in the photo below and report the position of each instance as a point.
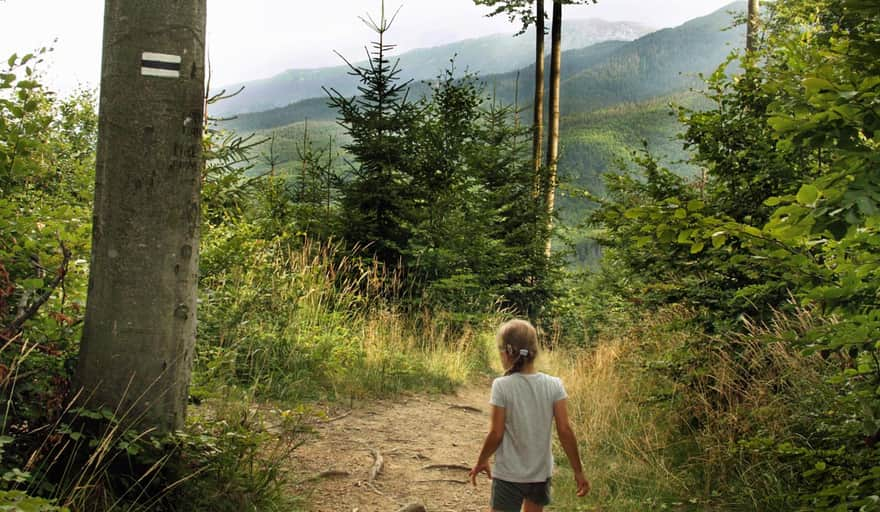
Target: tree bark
(538, 108)
(752, 26)
(140, 324)
(553, 122)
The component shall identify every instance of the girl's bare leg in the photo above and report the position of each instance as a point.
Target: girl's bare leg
(529, 506)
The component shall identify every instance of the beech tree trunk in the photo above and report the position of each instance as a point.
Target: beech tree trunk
(752, 26)
(538, 108)
(140, 324)
(553, 122)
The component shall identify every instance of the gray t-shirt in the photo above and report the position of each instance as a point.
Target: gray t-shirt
(525, 453)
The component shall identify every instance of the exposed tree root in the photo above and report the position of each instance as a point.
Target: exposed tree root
(467, 408)
(378, 464)
(447, 466)
(441, 480)
(335, 418)
(414, 507)
(333, 473)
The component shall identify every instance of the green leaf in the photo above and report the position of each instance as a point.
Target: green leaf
(667, 236)
(633, 213)
(28, 84)
(814, 85)
(32, 284)
(697, 247)
(752, 230)
(867, 206)
(695, 205)
(782, 124)
(808, 195)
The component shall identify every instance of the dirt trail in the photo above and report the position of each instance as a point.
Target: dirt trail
(411, 433)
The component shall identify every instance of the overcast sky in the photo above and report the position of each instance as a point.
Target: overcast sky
(260, 38)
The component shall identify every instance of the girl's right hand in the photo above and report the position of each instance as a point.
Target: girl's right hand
(481, 467)
(583, 485)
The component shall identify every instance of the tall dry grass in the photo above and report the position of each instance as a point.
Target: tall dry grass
(306, 322)
(664, 413)
(623, 439)
(761, 386)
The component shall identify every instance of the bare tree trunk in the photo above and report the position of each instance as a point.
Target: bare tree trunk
(538, 108)
(140, 325)
(752, 27)
(553, 129)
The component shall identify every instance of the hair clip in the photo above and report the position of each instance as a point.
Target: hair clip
(524, 352)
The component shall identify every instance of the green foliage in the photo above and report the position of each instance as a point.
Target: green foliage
(233, 454)
(378, 122)
(441, 188)
(17, 501)
(522, 9)
(616, 95)
(514, 9)
(46, 164)
(300, 323)
(478, 227)
(56, 457)
(788, 212)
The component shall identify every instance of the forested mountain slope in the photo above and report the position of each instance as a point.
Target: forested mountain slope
(595, 77)
(487, 55)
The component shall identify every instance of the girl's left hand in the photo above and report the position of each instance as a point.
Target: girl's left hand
(481, 467)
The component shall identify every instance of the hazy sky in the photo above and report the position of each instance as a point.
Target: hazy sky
(259, 38)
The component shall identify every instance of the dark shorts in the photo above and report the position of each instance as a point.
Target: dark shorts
(509, 496)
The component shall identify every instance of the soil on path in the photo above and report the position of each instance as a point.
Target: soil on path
(427, 443)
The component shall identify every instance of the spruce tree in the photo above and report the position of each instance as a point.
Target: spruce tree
(375, 195)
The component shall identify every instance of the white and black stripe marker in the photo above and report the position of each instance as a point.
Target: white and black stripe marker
(160, 64)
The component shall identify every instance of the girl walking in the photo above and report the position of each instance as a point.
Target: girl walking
(524, 405)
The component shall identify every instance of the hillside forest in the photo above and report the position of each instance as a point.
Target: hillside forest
(707, 284)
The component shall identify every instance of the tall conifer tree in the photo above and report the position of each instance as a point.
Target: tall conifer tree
(374, 198)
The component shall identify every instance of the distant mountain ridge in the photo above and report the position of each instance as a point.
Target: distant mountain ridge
(662, 63)
(487, 55)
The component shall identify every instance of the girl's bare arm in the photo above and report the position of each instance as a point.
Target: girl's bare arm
(493, 440)
(569, 444)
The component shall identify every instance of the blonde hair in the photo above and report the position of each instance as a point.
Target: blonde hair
(520, 340)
